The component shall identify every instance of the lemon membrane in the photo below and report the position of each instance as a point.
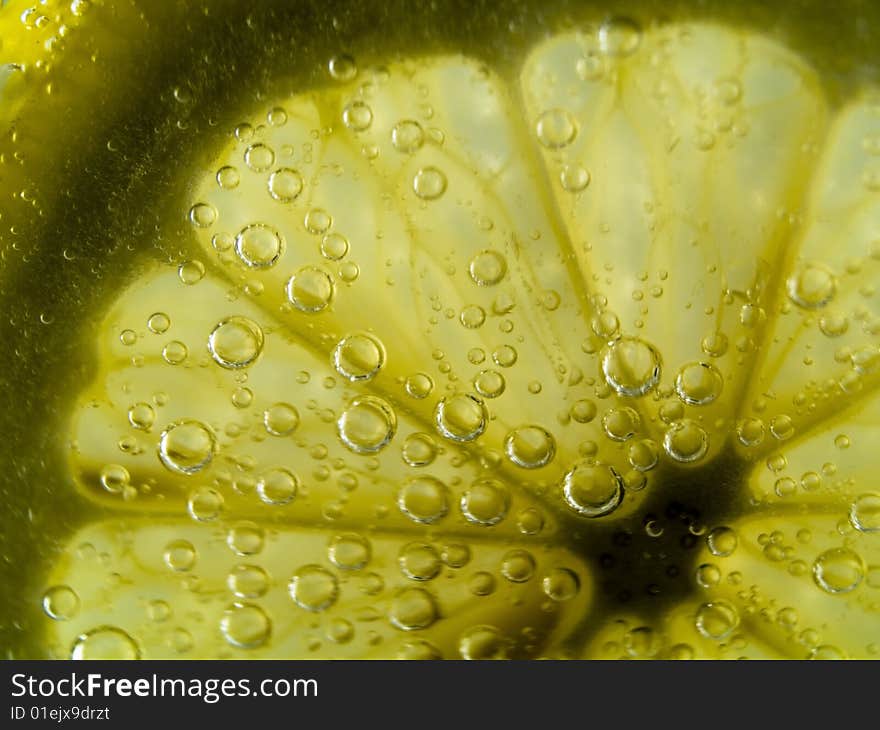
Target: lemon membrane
(570, 357)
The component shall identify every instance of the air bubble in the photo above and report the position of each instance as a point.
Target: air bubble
(556, 128)
(574, 178)
(812, 287)
(722, 542)
(202, 215)
(61, 603)
(204, 504)
(105, 642)
(180, 555)
(259, 246)
(621, 424)
(619, 37)
(285, 184)
(349, 551)
(631, 366)
(318, 221)
(245, 626)
(187, 447)
(334, 246)
(716, 619)
(358, 357)
(281, 419)
(592, 489)
(419, 561)
(419, 450)
(864, 514)
(235, 342)
(461, 417)
(518, 566)
(259, 157)
(561, 584)
(413, 609)
(357, 116)
(838, 570)
(699, 383)
(489, 383)
(142, 416)
(482, 643)
(530, 447)
(314, 588)
(407, 136)
(487, 268)
(278, 486)
(228, 177)
(686, 441)
(310, 290)
(485, 502)
(367, 425)
(424, 499)
(429, 183)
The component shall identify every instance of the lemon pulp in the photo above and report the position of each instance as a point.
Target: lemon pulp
(449, 362)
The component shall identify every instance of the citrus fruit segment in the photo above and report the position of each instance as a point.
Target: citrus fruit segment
(164, 588)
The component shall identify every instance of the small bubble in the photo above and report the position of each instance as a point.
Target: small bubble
(349, 551)
(482, 643)
(561, 584)
(419, 450)
(643, 455)
(424, 499)
(631, 366)
(473, 316)
(413, 609)
(191, 272)
(812, 287)
(419, 386)
(259, 157)
(782, 427)
(318, 221)
(698, 383)
(281, 419)
(489, 383)
(202, 215)
(833, 325)
(228, 177)
(461, 417)
(367, 425)
(204, 504)
(574, 178)
(342, 67)
(619, 37)
(187, 447)
(556, 128)
(407, 136)
(285, 184)
(105, 642)
(357, 116)
(245, 538)
(429, 183)
(530, 447)
(530, 521)
(334, 246)
(838, 570)
(864, 514)
(310, 290)
(592, 489)
(722, 541)
(158, 323)
(128, 337)
(175, 352)
(716, 619)
(314, 588)
(482, 583)
(750, 431)
(708, 575)
(259, 246)
(180, 555)
(518, 566)
(247, 581)
(115, 478)
(358, 357)
(686, 441)
(245, 626)
(485, 502)
(61, 603)
(505, 356)
(278, 486)
(235, 342)
(621, 424)
(487, 268)
(583, 411)
(419, 561)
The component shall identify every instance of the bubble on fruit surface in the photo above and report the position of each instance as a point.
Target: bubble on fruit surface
(782, 427)
(750, 431)
(259, 246)
(621, 424)
(482, 583)
(487, 268)
(60, 603)
(285, 184)
(592, 489)
(358, 357)
(228, 177)
(826, 652)
(489, 383)
(105, 642)
(419, 650)
(247, 581)
(278, 486)
(310, 289)
(838, 570)
(574, 178)
(191, 272)
(419, 561)
(204, 504)
(561, 584)
(698, 383)
(158, 323)
(419, 385)
(643, 455)
(202, 215)
(367, 425)
(518, 566)
(485, 502)
(462, 417)
(642, 642)
(419, 450)
(424, 499)
(455, 554)
(235, 342)
(505, 356)
(114, 478)
(429, 183)
(342, 67)
(259, 157)
(716, 619)
(407, 136)
(246, 538)
(187, 447)
(180, 555)
(556, 128)
(722, 541)
(334, 246)
(686, 441)
(812, 287)
(281, 419)
(631, 366)
(349, 551)
(864, 513)
(413, 609)
(530, 447)
(245, 625)
(314, 588)
(619, 36)
(530, 521)
(583, 411)
(482, 643)
(175, 352)
(708, 575)
(318, 221)
(357, 116)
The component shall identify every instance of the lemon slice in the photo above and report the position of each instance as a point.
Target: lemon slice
(579, 366)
